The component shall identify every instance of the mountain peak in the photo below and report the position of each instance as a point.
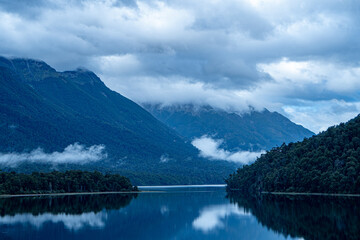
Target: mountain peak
(32, 70)
(32, 65)
(252, 130)
(82, 76)
(29, 70)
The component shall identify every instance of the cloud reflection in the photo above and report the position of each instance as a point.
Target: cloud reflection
(212, 217)
(71, 222)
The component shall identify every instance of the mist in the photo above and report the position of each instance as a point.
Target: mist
(74, 153)
(210, 148)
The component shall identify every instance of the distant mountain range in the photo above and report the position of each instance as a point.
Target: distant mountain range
(252, 131)
(80, 123)
(40, 107)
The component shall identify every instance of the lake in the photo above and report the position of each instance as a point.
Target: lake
(198, 212)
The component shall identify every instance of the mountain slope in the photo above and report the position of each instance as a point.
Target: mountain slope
(328, 162)
(81, 98)
(40, 107)
(250, 131)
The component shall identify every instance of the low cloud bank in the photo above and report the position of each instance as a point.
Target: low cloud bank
(210, 148)
(74, 153)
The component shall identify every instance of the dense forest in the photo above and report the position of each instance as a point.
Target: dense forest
(60, 182)
(327, 163)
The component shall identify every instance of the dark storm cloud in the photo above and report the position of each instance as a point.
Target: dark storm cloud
(279, 54)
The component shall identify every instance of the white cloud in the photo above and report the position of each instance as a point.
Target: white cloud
(210, 148)
(319, 74)
(320, 115)
(179, 90)
(228, 54)
(118, 65)
(74, 153)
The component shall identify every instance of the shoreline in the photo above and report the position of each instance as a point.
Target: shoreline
(145, 190)
(313, 194)
(62, 194)
(183, 186)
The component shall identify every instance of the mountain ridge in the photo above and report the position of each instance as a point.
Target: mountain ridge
(249, 131)
(41, 107)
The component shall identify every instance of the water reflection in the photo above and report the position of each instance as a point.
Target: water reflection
(307, 217)
(72, 222)
(69, 204)
(181, 213)
(74, 212)
(212, 217)
(191, 213)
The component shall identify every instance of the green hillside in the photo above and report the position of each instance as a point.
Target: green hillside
(327, 163)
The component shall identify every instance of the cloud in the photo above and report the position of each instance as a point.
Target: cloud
(319, 115)
(228, 54)
(74, 154)
(210, 148)
(177, 90)
(212, 217)
(325, 77)
(70, 221)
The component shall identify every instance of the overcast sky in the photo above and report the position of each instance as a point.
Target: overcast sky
(300, 58)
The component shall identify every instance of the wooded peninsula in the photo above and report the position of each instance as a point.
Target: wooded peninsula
(63, 182)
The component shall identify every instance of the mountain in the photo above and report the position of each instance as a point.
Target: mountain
(40, 107)
(326, 163)
(248, 131)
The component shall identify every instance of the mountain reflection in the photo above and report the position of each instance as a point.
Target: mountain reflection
(305, 217)
(74, 212)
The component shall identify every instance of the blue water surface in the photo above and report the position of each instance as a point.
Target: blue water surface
(181, 212)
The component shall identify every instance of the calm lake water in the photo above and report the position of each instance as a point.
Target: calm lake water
(179, 213)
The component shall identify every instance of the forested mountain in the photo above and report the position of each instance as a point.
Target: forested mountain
(328, 163)
(248, 131)
(40, 107)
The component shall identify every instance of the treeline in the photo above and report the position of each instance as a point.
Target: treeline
(60, 182)
(327, 163)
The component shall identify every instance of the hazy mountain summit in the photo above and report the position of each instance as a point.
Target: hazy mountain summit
(250, 131)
